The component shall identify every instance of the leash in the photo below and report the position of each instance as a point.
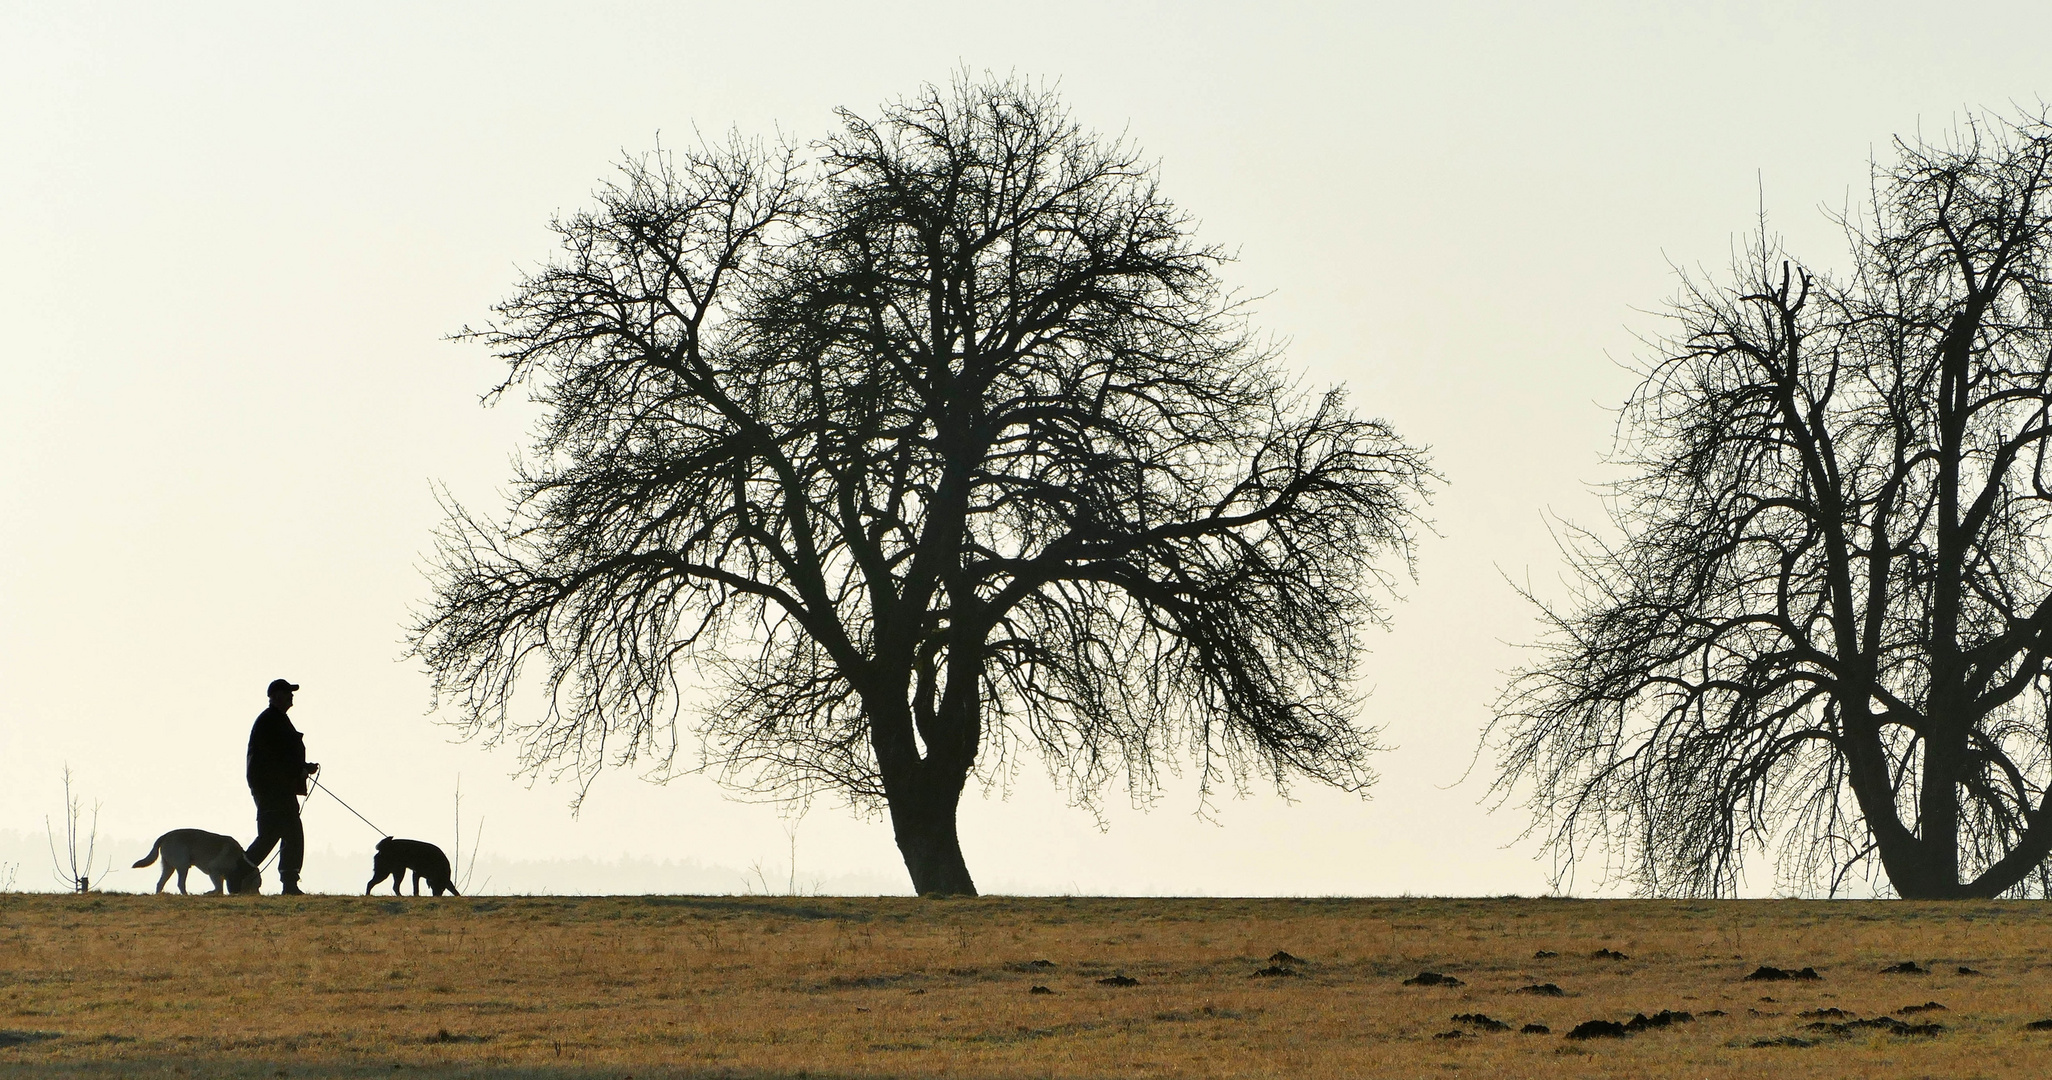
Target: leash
(315, 780)
(279, 849)
(331, 794)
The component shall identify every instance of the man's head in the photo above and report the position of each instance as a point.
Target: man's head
(281, 693)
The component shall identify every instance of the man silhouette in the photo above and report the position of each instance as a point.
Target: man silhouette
(277, 770)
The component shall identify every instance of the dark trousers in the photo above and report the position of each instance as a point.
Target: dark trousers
(278, 822)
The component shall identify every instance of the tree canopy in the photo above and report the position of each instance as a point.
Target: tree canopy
(1825, 625)
(877, 464)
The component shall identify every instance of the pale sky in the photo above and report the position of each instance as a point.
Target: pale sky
(236, 238)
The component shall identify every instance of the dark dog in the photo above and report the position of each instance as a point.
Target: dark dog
(396, 857)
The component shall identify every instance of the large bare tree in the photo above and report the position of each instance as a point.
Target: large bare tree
(1826, 624)
(937, 445)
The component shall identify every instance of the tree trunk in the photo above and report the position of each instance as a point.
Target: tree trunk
(923, 817)
(1938, 824)
(1902, 854)
(1926, 866)
(1921, 874)
(1921, 864)
(1918, 868)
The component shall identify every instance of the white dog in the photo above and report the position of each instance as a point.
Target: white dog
(217, 856)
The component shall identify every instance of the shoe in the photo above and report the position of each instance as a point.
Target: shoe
(291, 889)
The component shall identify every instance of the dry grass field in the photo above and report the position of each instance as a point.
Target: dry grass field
(121, 985)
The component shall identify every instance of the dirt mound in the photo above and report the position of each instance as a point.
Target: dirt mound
(1535, 1029)
(1611, 1029)
(1770, 973)
(1432, 978)
(1040, 990)
(1480, 1020)
(1608, 954)
(1118, 980)
(1907, 967)
(866, 982)
(1280, 956)
(1661, 1019)
(1541, 989)
(1276, 971)
(1882, 1023)
(1928, 1006)
(1544, 954)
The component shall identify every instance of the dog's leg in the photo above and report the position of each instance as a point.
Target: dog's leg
(165, 876)
(181, 880)
(220, 885)
(398, 876)
(416, 883)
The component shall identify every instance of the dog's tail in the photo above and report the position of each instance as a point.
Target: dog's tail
(152, 856)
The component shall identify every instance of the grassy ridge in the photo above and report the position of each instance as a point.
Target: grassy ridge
(787, 987)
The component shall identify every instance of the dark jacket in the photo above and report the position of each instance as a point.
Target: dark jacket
(276, 765)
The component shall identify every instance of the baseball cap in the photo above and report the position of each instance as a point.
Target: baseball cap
(280, 684)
